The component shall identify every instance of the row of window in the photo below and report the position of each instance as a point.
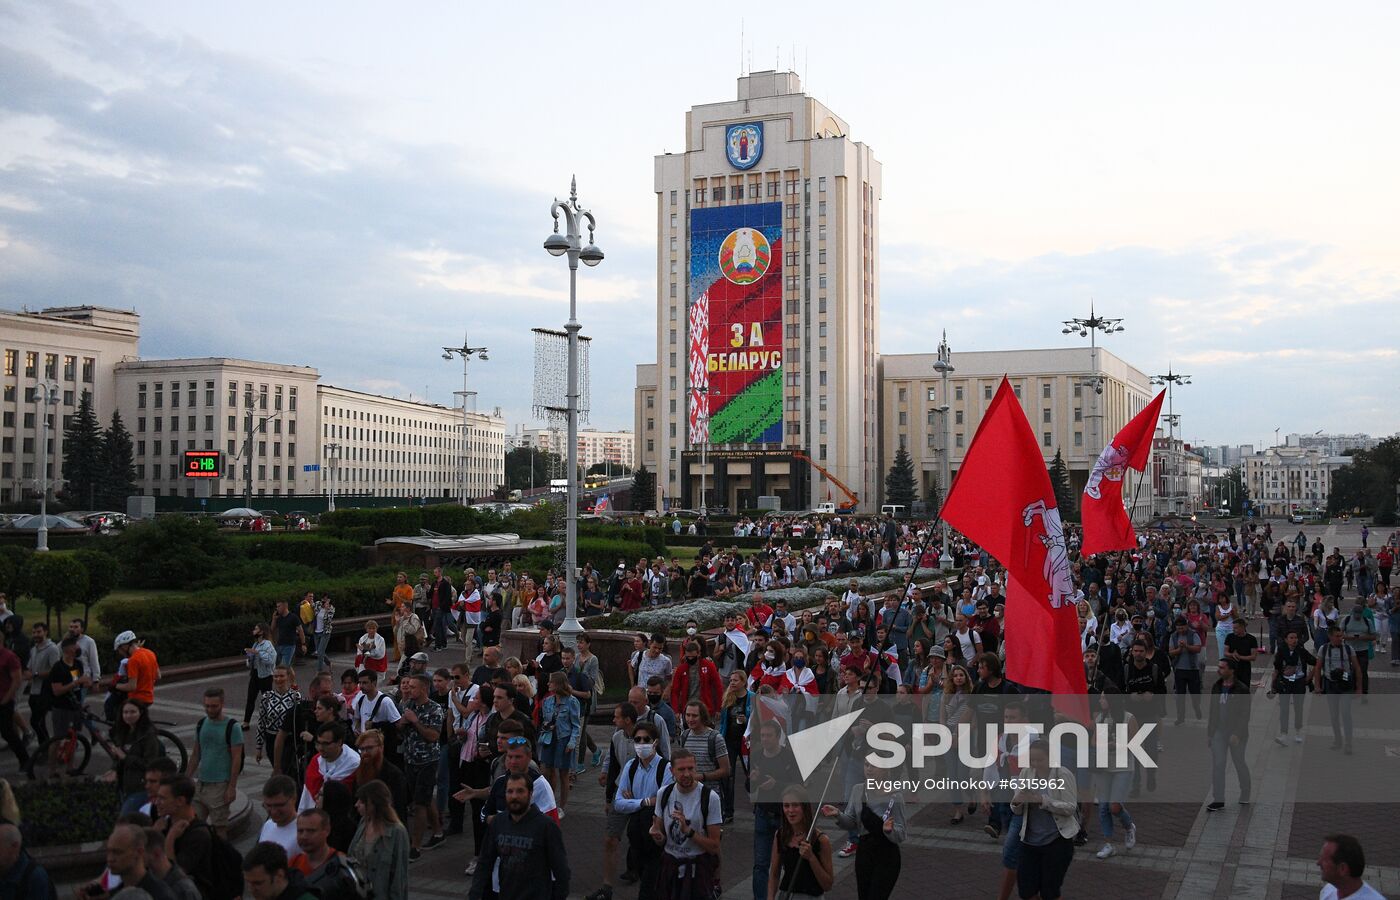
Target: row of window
(752, 189)
(158, 424)
(31, 366)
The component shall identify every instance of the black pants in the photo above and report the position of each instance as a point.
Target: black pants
(1042, 869)
(477, 774)
(1187, 681)
(38, 716)
(11, 734)
(877, 867)
(1363, 660)
(456, 812)
(256, 686)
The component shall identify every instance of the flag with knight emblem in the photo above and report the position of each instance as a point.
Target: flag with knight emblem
(1106, 522)
(1002, 499)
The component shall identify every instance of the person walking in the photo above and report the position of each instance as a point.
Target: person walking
(322, 625)
(1337, 675)
(879, 817)
(1113, 781)
(1048, 826)
(802, 858)
(686, 825)
(560, 727)
(523, 857)
(1341, 863)
(288, 634)
(380, 844)
(1228, 733)
(217, 760)
(1292, 665)
(261, 660)
(420, 724)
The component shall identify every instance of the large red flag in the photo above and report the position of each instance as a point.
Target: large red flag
(1106, 522)
(1002, 499)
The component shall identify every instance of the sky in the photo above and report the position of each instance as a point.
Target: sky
(353, 186)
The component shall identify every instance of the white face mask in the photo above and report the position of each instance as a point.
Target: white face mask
(690, 631)
(645, 751)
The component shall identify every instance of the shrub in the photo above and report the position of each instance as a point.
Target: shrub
(178, 644)
(104, 573)
(172, 551)
(262, 571)
(453, 518)
(380, 522)
(13, 560)
(65, 812)
(651, 535)
(57, 579)
(332, 556)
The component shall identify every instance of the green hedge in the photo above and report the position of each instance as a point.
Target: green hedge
(178, 644)
(54, 813)
(333, 556)
(444, 518)
(651, 535)
(355, 595)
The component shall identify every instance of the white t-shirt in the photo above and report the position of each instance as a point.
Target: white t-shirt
(365, 713)
(1329, 892)
(283, 835)
(677, 844)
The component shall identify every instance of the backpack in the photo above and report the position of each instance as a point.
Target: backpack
(344, 879)
(387, 730)
(716, 753)
(639, 822)
(25, 883)
(222, 876)
(228, 732)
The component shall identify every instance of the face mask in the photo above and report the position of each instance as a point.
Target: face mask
(769, 658)
(692, 660)
(645, 751)
(798, 662)
(653, 699)
(690, 631)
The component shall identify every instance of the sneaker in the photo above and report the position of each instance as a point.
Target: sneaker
(1217, 806)
(1130, 841)
(561, 814)
(1281, 740)
(629, 877)
(434, 842)
(1297, 739)
(414, 855)
(992, 830)
(1080, 839)
(471, 867)
(1105, 851)
(848, 850)
(597, 758)
(603, 893)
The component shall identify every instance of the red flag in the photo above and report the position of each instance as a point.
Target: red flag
(1106, 522)
(1002, 499)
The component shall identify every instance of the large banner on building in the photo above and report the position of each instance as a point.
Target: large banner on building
(736, 325)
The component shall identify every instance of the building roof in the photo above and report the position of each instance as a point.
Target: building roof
(469, 543)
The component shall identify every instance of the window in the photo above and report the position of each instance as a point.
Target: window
(651, 401)
(292, 450)
(175, 396)
(174, 423)
(821, 451)
(986, 392)
(821, 184)
(717, 194)
(11, 362)
(68, 398)
(957, 392)
(673, 199)
(160, 397)
(209, 393)
(753, 191)
(958, 417)
(70, 368)
(821, 378)
(673, 404)
(903, 417)
(1079, 439)
(903, 440)
(1079, 415)
(277, 397)
(1016, 388)
(262, 397)
(821, 330)
(1045, 416)
(140, 423)
(904, 395)
(233, 393)
(673, 429)
(958, 441)
(140, 448)
(51, 365)
(1045, 391)
(31, 364)
(1045, 438)
(158, 423)
(651, 445)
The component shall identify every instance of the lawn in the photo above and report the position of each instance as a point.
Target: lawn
(33, 610)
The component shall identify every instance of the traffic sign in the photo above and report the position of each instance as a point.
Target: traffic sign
(313, 467)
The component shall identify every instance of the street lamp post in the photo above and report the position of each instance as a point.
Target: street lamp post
(1090, 328)
(571, 244)
(466, 351)
(47, 396)
(248, 455)
(332, 461)
(1171, 380)
(943, 365)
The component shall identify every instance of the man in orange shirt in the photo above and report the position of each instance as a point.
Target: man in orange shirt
(142, 670)
(402, 603)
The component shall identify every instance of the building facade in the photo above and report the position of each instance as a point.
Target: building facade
(1282, 480)
(767, 305)
(377, 446)
(261, 416)
(76, 347)
(1067, 416)
(644, 453)
(594, 446)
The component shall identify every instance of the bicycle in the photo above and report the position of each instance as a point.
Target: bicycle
(67, 755)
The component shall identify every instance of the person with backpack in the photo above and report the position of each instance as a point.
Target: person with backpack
(207, 857)
(325, 869)
(377, 710)
(24, 878)
(1359, 630)
(268, 876)
(620, 750)
(1338, 676)
(217, 759)
(707, 745)
(640, 781)
(686, 824)
(521, 847)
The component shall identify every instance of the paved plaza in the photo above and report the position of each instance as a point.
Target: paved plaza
(1265, 851)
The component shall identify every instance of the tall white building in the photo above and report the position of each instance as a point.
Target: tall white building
(767, 304)
(387, 447)
(261, 416)
(77, 347)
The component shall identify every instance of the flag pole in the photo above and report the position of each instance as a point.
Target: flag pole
(786, 892)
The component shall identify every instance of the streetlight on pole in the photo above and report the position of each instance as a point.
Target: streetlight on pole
(466, 351)
(1171, 380)
(1090, 328)
(943, 365)
(47, 395)
(557, 244)
(332, 464)
(248, 453)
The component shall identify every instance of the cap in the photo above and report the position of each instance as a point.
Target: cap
(420, 656)
(126, 637)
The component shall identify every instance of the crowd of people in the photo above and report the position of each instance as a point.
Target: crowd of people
(364, 771)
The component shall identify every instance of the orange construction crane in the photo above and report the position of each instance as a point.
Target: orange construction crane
(853, 499)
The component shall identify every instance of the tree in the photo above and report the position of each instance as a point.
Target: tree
(1237, 490)
(118, 479)
(82, 454)
(643, 490)
(1367, 484)
(617, 470)
(1064, 495)
(899, 481)
(104, 573)
(528, 467)
(933, 495)
(57, 579)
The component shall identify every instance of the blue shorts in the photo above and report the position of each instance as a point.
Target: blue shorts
(556, 754)
(1011, 846)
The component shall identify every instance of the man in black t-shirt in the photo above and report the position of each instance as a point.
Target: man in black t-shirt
(1243, 648)
(287, 634)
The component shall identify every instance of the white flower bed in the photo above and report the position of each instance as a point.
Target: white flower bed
(708, 612)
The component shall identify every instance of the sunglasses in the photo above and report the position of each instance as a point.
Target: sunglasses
(642, 740)
(516, 742)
